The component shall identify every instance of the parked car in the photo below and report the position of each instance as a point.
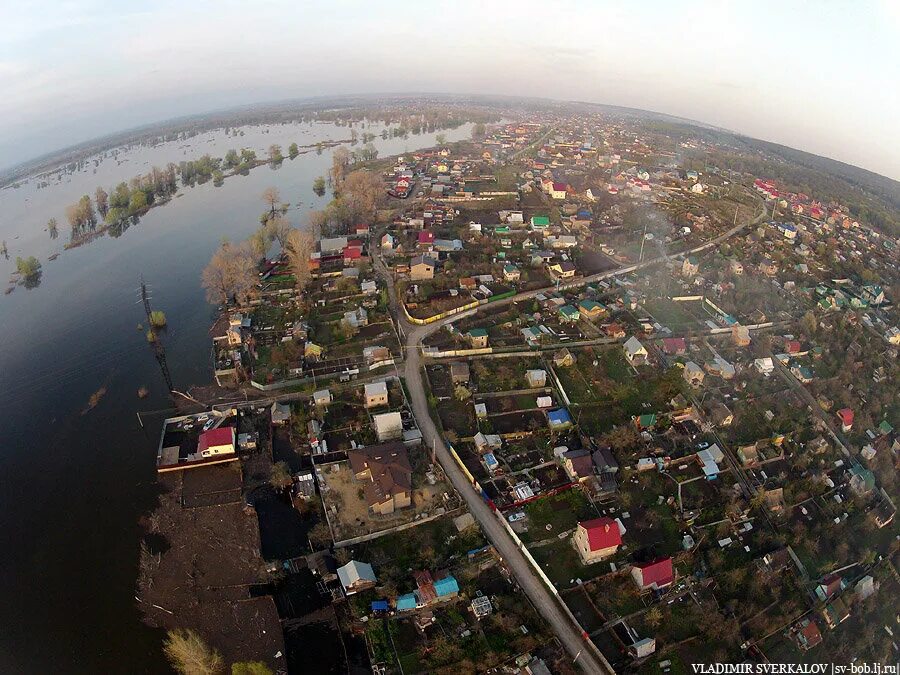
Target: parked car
(515, 517)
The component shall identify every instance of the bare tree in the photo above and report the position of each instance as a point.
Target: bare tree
(102, 199)
(317, 222)
(271, 196)
(275, 155)
(340, 160)
(362, 191)
(190, 655)
(277, 229)
(299, 247)
(231, 273)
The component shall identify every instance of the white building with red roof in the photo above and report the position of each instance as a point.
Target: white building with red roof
(216, 442)
(655, 575)
(597, 539)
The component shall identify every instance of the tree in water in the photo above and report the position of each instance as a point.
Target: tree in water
(275, 156)
(102, 199)
(188, 654)
(53, 228)
(319, 185)
(340, 161)
(272, 197)
(29, 270)
(293, 150)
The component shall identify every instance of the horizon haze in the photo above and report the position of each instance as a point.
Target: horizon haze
(815, 82)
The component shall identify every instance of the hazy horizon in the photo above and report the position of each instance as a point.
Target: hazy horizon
(816, 82)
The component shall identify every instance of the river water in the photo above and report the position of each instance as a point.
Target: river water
(75, 481)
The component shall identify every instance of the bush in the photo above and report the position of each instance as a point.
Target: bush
(157, 319)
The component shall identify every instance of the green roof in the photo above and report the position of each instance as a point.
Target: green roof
(568, 310)
(590, 305)
(885, 427)
(478, 332)
(647, 420)
(540, 220)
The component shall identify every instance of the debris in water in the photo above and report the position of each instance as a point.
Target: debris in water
(143, 392)
(95, 399)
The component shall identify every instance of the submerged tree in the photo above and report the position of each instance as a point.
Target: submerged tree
(293, 150)
(319, 185)
(275, 155)
(28, 268)
(53, 228)
(272, 197)
(102, 199)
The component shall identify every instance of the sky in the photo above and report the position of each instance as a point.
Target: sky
(820, 76)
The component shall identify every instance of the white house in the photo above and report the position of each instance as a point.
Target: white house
(635, 352)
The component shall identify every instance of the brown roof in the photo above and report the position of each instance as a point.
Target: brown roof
(390, 469)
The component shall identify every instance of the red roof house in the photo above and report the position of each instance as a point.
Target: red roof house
(845, 415)
(352, 254)
(426, 238)
(597, 539)
(216, 442)
(655, 575)
(792, 346)
(674, 345)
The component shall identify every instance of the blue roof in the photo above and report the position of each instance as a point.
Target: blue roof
(446, 586)
(380, 606)
(558, 417)
(489, 459)
(407, 601)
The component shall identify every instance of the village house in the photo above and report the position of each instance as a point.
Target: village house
(693, 374)
(569, 314)
(845, 416)
(387, 474)
(578, 464)
(388, 426)
(597, 539)
(635, 352)
(478, 338)
(421, 268)
(740, 335)
(217, 442)
(376, 394)
(690, 266)
(429, 590)
(562, 269)
(536, 378)
(356, 576)
(563, 358)
(511, 273)
(674, 346)
(657, 575)
(591, 309)
(459, 372)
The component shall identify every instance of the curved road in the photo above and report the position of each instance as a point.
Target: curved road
(551, 608)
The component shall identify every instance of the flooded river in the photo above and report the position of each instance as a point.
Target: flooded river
(76, 480)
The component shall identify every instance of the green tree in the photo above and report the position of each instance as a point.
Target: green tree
(293, 150)
(319, 185)
(281, 476)
(157, 319)
(28, 268)
(440, 139)
(138, 202)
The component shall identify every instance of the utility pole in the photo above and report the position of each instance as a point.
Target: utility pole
(643, 239)
(158, 350)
